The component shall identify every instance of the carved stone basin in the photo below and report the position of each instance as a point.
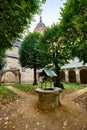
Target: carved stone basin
(48, 98)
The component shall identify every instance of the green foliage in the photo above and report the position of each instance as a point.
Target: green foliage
(30, 53)
(54, 40)
(74, 25)
(14, 17)
(6, 95)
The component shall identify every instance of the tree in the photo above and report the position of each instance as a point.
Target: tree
(74, 24)
(15, 15)
(31, 53)
(54, 39)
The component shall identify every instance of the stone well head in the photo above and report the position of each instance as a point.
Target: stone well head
(48, 98)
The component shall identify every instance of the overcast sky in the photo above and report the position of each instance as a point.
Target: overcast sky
(50, 13)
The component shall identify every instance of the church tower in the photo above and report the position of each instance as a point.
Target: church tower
(40, 27)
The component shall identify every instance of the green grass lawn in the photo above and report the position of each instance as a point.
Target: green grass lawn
(74, 86)
(25, 87)
(31, 88)
(6, 95)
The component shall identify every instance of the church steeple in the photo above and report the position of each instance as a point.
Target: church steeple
(40, 19)
(40, 26)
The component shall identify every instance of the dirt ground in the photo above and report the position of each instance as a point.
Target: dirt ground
(23, 114)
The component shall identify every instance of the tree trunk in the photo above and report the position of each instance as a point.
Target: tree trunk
(0, 80)
(0, 76)
(35, 76)
(57, 82)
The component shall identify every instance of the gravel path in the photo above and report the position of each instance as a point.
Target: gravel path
(24, 115)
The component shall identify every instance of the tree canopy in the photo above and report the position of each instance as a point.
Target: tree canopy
(31, 51)
(74, 25)
(14, 16)
(54, 39)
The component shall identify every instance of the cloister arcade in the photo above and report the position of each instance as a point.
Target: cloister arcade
(74, 75)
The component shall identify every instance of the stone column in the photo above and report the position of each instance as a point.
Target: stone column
(77, 75)
(66, 76)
